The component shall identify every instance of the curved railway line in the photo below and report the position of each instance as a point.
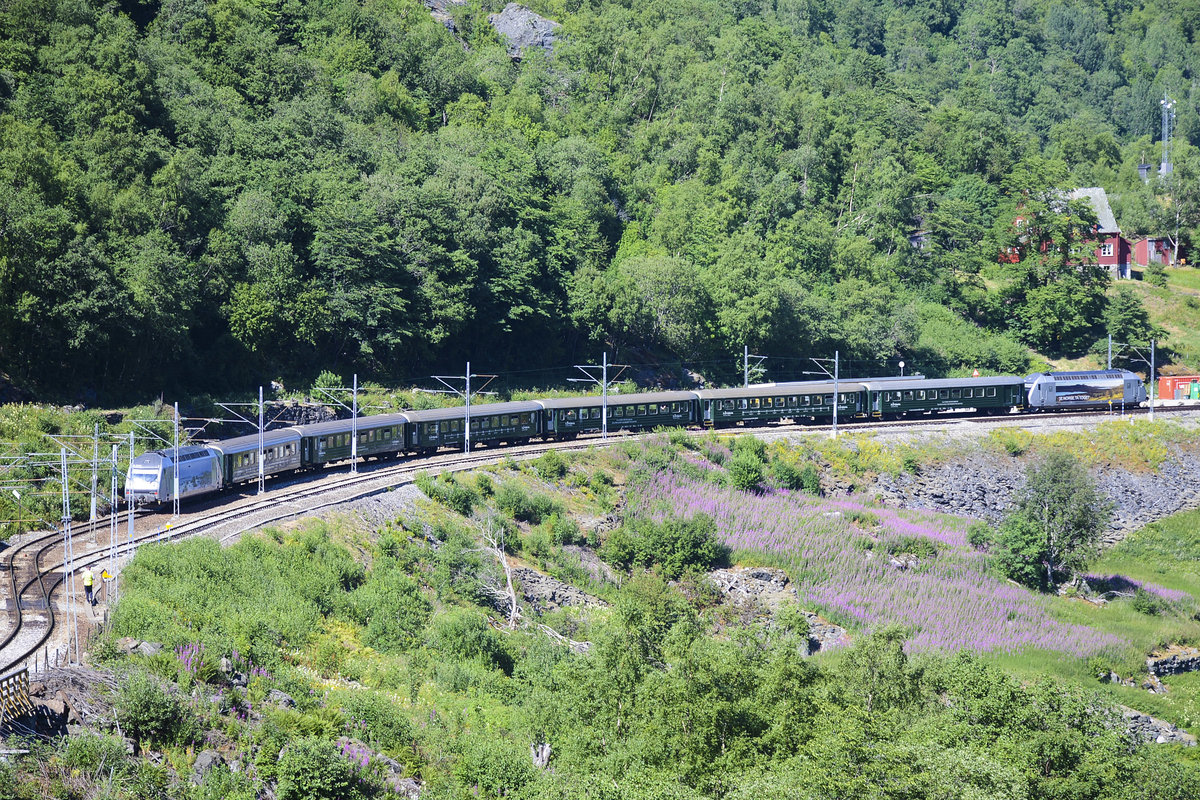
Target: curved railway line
(34, 585)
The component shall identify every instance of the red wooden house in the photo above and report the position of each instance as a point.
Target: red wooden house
(1113, 250)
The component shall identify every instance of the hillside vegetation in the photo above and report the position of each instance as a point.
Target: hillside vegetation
(194, 194)
(402, 659)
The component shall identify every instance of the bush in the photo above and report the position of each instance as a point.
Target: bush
(979, 536)
(523, 506)
(796, 479)
(392, 608)
(465, 635)
(314, 769)
(386, 728)
(669, 547)
(562, 529)
(1155, 274)
(447, 490)
(149, 713)
(498, 767)
(94, 753)
(550, 466)
(745, 472)
(1147, 603)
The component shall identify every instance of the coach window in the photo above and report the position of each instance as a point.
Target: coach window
(475, 425)
(908, 395)
(943, 394)
(991, 392)
(955, 393)
(526, 419)
(920, 394)
(817, 399)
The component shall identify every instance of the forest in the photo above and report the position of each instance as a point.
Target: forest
(200, 196)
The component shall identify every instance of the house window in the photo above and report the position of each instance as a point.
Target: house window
(1106, 249)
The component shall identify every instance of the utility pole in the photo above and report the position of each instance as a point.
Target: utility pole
(821, 362)
(746, 356)
(175, 466)
(113, 523)
(604, 382)
(95, 468)
(128, 499)
(329, 393)
(465, 394)
(260, 426)
(68, 558)
(262, 475)
(1110, 350)
(1168, 125)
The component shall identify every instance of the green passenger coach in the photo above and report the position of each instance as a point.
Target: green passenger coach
(565, 417)
(491, 423)
(327, 442)
(993, 395)
(757, 405)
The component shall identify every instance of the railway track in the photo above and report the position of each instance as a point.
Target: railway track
(35, 568)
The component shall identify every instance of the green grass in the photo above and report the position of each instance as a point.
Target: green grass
(1183, 278)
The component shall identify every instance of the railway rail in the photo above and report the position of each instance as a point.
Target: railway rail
(35, 568)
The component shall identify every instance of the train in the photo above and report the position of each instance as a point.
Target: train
(220, 465)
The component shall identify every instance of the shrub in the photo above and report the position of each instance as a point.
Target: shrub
(483, 483)
(745, 472)
(979, 536)
(669, 547)
(148, 712)
(919, 546)
(1147, 603)
(796, 479)
(94, 753)
(550, 466)
(498, 767)
(314, 769)
(447, 490)
(562, 529)
(523, 506)
(465, 635)
(385, 726)
(750, 446)
(393, 609)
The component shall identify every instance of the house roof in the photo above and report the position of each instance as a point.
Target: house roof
(1106, 221)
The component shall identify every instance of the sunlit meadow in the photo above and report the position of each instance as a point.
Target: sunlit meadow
(837, 551)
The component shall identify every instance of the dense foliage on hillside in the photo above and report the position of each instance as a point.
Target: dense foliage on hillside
(198, 194)
(675, 699)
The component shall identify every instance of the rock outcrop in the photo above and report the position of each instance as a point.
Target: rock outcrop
(523, 29)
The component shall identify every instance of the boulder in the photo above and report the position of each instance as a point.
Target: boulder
(279, 698)
(148, 648)
(522, 29)
(204, 764)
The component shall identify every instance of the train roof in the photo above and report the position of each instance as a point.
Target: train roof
(481, 410)
(616, 399)
(1108, 374)
(167, 456)
(243, 443)
(807, 387)
(945, 383)
(347, 425)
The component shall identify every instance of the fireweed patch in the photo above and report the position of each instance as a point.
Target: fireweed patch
(947, 603)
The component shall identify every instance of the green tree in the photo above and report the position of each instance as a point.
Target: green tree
(1056, 524)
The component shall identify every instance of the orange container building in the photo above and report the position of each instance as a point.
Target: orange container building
(1179, 387)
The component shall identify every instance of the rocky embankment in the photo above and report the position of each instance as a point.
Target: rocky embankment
(983, 486)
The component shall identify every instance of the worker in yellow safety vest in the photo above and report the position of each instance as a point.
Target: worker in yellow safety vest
(88, 580)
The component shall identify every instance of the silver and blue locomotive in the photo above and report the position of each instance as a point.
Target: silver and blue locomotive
(151, 476)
